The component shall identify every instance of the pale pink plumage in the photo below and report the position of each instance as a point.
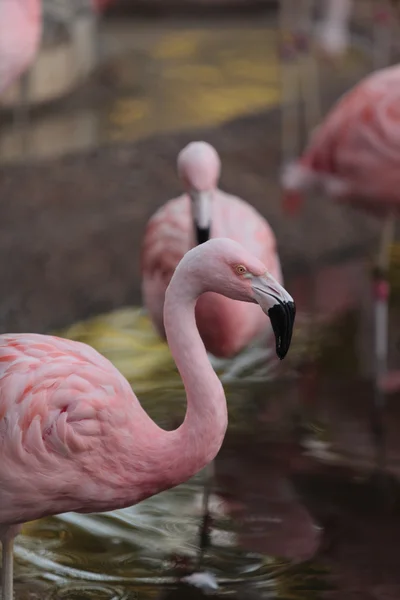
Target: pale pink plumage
(20, 32)
(74, 437)
(224, 325)
(355, 154)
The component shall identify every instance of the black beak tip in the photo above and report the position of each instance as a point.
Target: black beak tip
(202, 234)
(282, 318)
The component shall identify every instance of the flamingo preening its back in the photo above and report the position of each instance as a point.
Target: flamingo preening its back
(204, 212)
(74, 437)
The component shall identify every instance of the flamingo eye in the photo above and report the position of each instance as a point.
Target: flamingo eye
(240, 269)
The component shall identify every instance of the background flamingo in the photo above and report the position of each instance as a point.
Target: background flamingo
(299, 65)
(355, 157)
(74, 437)
(333, 33)
(20, 32)
(100, 5)
(204, 211)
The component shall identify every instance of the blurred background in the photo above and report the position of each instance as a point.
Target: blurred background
(89, 136)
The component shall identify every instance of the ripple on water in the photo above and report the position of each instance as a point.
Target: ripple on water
(119, 554)
(89, 592)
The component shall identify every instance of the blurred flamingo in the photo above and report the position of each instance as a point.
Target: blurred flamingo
(333, 32)
(355, 157)
(100, 5)
(74, 437)
(299, 72)
(20, 33)
(204, 212)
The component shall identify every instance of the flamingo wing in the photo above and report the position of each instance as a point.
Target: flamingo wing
(58, 401)
(168, 236)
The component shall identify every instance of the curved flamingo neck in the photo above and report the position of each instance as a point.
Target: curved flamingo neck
(197, 441)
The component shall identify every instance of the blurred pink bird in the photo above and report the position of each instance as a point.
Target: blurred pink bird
(74, 437)
(100, 5)
(20, 32)
(354, 156)
(333, 32)
(204, 211)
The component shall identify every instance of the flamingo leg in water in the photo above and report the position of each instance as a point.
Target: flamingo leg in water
(382, 34)
(7, 568)
(21, 113)
(289, 84)
(308, 70)
(204, 535)
(98, 48)
(381, 292)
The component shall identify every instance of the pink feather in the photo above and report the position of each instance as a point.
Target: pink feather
(225, 326)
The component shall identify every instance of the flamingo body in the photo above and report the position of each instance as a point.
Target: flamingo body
(20, 31)
(225, 326)
(64, 439)
(355, 153)
(74, 437)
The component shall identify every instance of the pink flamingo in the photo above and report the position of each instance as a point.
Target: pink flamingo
(334, 32)
(74, 437)
(204, 211)
(20, 33)
(100, 5)
(354, 156)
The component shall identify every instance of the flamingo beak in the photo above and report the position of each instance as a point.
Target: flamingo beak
(201, 211)
(280, 308)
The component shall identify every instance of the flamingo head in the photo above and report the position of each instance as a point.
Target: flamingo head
(199, 168)
(225, 267)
